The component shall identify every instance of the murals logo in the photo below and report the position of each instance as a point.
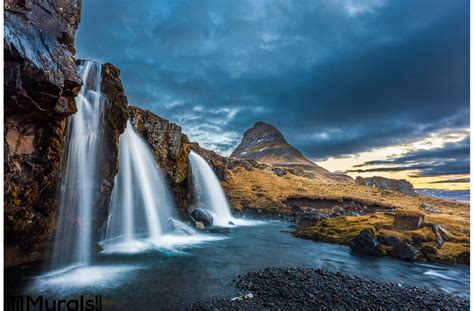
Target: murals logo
(27, 302)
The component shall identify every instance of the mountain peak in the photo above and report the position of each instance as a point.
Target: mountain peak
(264, 143)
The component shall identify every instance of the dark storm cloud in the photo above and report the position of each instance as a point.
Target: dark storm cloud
(451, 159)
(336, 77)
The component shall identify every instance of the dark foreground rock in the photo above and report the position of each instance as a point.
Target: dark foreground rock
(40, 83)
(315, 289)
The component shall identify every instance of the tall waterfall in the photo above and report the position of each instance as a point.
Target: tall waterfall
(142, 208)
(208, 190)
(79, 180)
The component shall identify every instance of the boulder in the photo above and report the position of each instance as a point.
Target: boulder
(279, 171)
(389, 239)
(441, 234)
(178, 227)
(366, 243)
(428, 208)
(408, 220)
(405, 251)
(203, 216)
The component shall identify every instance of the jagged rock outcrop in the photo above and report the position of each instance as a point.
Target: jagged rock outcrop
(40, 82)
(400, 185)
(264, 143)
(115, 117)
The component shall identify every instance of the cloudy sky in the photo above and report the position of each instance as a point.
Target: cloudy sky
(368, 87)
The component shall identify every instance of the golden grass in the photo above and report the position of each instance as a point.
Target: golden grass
(265, 190)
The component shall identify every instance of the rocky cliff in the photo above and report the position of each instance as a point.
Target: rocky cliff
(400, 185)
(115, 117)
(40, 82)
(264, 143)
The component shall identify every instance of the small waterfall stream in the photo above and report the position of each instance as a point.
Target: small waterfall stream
(142, 211)
(209, 192)
(141, 201)
(79, 180)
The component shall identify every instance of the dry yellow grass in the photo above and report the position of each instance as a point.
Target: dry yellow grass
(263, 189)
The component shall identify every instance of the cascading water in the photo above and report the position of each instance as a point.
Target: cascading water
(142, 209)
(209, 193)
(79, 179)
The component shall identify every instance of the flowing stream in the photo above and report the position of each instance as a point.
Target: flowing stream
(173, 279)
(79, 179)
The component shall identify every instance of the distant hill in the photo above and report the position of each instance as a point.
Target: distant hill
(266, 144)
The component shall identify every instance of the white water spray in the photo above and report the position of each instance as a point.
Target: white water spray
(142, 211)
(79, 180)
(141, 202)
(209, 193)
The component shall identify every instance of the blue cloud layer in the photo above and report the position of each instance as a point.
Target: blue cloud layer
(336, 77)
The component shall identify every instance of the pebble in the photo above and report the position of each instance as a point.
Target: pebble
(310, 289)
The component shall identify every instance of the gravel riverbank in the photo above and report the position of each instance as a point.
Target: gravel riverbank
(310, 289)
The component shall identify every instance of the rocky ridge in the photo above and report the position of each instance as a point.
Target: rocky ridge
(383, 183)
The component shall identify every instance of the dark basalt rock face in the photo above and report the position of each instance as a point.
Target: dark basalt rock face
(40, 83)
(264, 143)
(115, 117)
(400, 185)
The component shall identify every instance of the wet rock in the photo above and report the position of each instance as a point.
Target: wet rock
(203, 216)
(405, 251)
(40, 83)
(408, 220)
(366, 243)
(115, 117)
(428, 208)
(400, 185)
(199, 225)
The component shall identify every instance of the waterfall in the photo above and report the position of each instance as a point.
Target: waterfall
(142, 209)
(208, 191)
(79, 179)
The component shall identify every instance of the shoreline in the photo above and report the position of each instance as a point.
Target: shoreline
(309, 289)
